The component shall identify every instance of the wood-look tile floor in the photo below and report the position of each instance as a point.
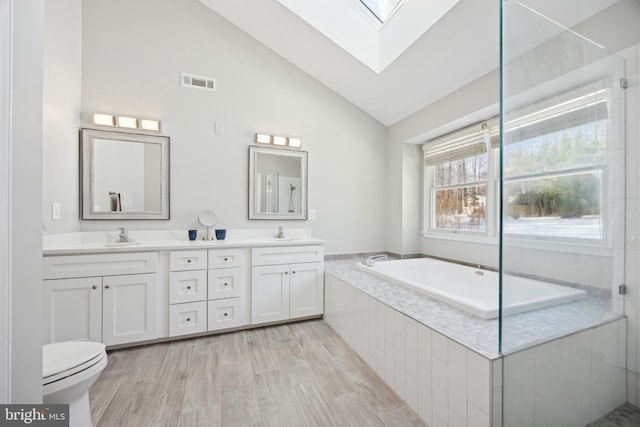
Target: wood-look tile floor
(297, 374)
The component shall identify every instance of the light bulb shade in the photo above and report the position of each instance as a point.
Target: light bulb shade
(262, 138)
(148, 124)
(279, 140)
(128, 122)
(104, 119)
(295, 142)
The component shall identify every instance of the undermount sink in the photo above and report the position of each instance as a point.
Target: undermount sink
(118, 244)
(287, 238)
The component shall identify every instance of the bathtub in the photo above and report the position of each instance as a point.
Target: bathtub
(470, 289)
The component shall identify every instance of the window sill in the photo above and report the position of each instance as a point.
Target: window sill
(461, 237)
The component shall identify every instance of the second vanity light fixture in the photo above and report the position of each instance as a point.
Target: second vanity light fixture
(126, 122)
(278, 141)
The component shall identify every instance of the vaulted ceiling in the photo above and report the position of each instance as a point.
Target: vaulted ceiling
(439, 52)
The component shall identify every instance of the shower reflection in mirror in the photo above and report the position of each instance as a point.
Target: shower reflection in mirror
(278, 184)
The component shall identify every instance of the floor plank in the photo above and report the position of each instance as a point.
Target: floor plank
(297, 374)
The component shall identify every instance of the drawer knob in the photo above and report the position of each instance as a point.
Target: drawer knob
(286, 272)
(94, 287)
(226, 284)
(294, 272)
(226, 259)
(188, 287)
(188, 319)
(106, 286)
(225, 314)
(189, 261)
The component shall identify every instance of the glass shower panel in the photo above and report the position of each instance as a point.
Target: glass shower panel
(562, 216)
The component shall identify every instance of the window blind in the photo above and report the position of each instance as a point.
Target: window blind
(472, 140)
(466, 142)
(574, 112)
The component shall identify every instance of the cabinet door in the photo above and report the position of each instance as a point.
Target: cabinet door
(306, 289)
(187, 286)
(225, 283)
(188, 260)
(187, 318)
(130, 308)
(225, 313)
(269, 293)
(72, 309)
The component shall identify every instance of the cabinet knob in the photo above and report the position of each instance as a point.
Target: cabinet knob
(286, 272)
(106, 286)
(226, 284)
(188, 261)
(225, 314)
(94, 287)
(226, 259)
(188, 319)
(188, 287)
(293, 272)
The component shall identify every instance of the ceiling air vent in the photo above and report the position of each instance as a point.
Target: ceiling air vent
(198, 82)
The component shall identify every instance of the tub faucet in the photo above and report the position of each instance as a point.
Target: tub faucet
(371, 261)
(123, 236)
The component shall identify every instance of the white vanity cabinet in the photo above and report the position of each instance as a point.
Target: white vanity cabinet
(226, 286)
(109, 298)
(287, 282)
(187, 292)
(206, 290)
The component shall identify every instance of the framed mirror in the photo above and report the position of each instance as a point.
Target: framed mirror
(277, 183)
(124, 175)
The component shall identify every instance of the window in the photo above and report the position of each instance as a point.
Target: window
(460, 178)
(554, 174)
(382, 9)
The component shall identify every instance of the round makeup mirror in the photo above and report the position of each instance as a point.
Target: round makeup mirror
(208, 218)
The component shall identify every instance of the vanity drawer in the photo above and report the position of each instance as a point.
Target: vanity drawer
(187, 286)
(225, 313)
(188, 318)
(225, 283)
(223, 258)
(287, 254)
(188, 260)
(62, 267)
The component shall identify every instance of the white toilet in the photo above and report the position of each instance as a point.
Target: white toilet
(68, 370)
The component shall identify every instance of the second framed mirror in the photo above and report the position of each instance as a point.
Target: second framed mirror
(277, 183)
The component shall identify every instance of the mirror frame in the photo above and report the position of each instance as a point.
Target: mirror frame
(253, 155)
(87, 137)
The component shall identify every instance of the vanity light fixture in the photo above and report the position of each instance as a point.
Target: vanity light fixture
(126, 122)
(280, 141)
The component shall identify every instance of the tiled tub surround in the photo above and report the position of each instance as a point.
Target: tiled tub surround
(445, 362)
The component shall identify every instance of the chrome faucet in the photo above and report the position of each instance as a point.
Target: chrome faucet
(371, 261)
(280, 234)
(123, 236)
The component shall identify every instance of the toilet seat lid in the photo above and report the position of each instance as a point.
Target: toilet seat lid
(63, 356)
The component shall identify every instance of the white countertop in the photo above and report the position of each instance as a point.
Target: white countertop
(91, 242)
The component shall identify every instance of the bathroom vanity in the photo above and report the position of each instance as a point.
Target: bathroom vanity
(163, 286)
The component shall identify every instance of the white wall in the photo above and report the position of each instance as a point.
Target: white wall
(5, 163)
(474, 102)
(61, 113)
(132, 56)
(25, 201)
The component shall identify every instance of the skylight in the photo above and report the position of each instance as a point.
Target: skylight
(382, 9)
(376, 32)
